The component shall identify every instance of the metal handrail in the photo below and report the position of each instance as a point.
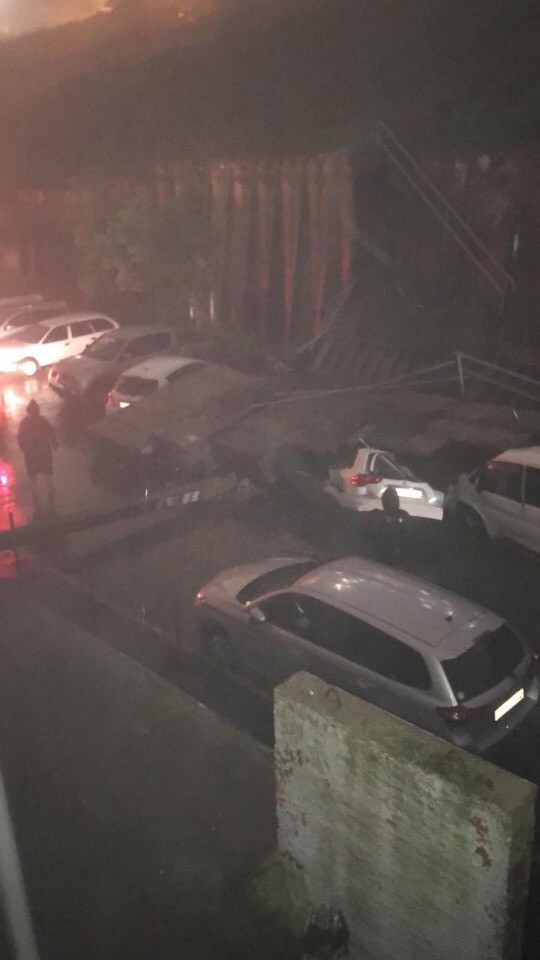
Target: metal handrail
(449, 208)
(493, 366)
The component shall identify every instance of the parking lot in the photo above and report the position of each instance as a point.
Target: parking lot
(152, 570)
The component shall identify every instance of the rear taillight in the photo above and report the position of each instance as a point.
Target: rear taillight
(364, 480)
(458, 714)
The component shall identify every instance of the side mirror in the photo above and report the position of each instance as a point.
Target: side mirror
(256, 615)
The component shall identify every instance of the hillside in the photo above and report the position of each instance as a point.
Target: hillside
(110, 99)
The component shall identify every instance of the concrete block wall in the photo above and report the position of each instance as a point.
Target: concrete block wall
(424, 847)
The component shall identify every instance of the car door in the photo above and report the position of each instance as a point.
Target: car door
(532, 508)
(500, 488)
(352, 654)
(56, 345)
(82, 334)
(270, 647)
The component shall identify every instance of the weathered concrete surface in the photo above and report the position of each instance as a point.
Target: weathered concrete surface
(406, 422)
(184, 415)
(425, 848)
(136, 809)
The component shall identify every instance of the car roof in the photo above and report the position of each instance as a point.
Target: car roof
(525, 457)
(160, 366)
(402, 603)
(64, 318)
(139, 330)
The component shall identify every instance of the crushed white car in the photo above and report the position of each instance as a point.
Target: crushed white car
(360, 483)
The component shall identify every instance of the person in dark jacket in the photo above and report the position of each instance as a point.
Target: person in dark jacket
(37, 440)
(389, 527)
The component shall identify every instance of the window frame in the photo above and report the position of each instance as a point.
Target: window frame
(79, 323)
(501, 466)
(46, 342)
(356, 623)
(110, 326)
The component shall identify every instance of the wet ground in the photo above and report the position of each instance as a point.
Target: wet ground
(75, 491)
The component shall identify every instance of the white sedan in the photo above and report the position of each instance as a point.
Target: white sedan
(147, 377)
(361, 484)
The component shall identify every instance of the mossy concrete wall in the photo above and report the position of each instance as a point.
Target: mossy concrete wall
(424, 847)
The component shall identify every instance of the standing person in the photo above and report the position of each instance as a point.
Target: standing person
(389, 527)
(37, 440)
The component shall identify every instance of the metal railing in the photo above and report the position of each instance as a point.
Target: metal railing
(493, 271)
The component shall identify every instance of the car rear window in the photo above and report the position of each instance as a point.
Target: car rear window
(106, 348)
(492, 657)
(279, 579)
(137, 386)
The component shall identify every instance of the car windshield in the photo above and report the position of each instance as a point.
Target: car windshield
(20, 320)
(137, 386)
(492, 657)
(278, 579)
(7, 312)
(106, 348)
(31, 334)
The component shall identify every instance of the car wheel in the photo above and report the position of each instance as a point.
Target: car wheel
(218, 647)
(29, 366)
(470, 521)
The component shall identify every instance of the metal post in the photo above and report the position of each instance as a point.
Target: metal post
(459, 360)
(14, 543)
(12, 891)
(91, 585)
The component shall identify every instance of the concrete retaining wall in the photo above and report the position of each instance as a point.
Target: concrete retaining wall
(425, 848)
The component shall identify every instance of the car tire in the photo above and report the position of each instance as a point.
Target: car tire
(469, 521)
(218, 647)
(31, 364)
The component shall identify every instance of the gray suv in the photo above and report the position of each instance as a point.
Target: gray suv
(92, 374)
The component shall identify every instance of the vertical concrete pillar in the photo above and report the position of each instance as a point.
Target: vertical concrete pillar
(317, 191)
(221, 190)
(241, 240)
(424, 847)
(290, 195)
(345, 216)
(265, 214)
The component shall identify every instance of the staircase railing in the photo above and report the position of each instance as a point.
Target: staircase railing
(476, 251)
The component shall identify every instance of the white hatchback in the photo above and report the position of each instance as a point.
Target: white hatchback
(36, 346)
(147, 377)
(502, 498)
(361, 482)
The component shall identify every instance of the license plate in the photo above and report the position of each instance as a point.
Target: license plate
(122, 404)
(409, 492)
(509, 704)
